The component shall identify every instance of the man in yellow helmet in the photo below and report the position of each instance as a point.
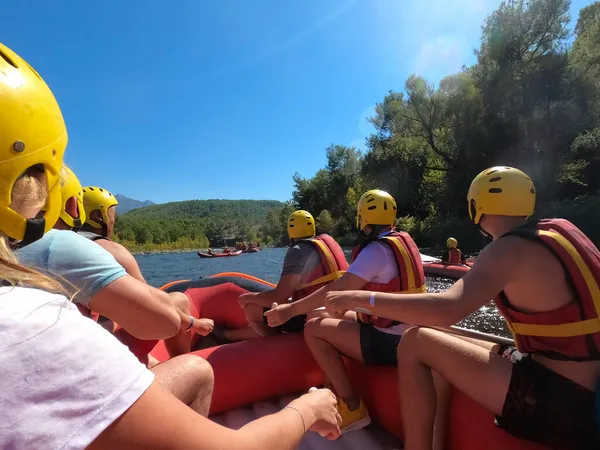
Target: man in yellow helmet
(548, 294)
(100, 209)
(99, 205)
(33, 138)
(453, 255)
(386, 260)
(310, 262)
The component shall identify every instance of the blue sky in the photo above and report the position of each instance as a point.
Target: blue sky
(195, 99)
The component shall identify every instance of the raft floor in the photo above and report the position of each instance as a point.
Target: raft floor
(369, 438)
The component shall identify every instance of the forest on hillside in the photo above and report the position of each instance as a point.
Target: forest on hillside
(530, 101)
(194, 223)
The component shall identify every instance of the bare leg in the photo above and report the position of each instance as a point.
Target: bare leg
(443, 392)
(462, 363)
(189, 378)
(328, 339)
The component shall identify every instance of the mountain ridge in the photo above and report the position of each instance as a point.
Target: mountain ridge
(127, 204)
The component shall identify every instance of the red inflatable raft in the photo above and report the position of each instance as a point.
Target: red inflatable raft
(219, 255)
(262, 369)
(434, 267)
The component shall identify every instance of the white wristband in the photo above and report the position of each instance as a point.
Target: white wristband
(372, 300)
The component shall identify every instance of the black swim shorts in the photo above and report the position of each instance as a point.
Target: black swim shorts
(378, 348)
(545, 407)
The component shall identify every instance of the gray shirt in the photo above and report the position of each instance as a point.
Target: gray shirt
(301, 258)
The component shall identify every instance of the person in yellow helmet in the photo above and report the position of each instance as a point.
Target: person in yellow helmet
(311, 262)
(73, 215)
(453, 255)
(543, 275)
(385, 260)
(102, 397)
(100, 206)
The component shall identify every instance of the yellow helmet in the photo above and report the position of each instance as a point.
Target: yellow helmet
(32, 133)
(94, 198)
(451, 243)
(375, 207)
(71, 187)
(501, 191)
(301, 224)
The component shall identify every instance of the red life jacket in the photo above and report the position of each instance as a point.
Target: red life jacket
(410, 278)
(454, 256)
(333, 266)
(139, 347)
(571, 332)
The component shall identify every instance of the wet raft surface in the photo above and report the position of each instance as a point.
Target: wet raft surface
(369, 438)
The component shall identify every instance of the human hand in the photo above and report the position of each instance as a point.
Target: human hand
(337, 303)
(322, 403)
(203, 326)
(278, 314)
(246, 298)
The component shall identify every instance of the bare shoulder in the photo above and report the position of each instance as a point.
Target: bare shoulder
(513, 254)
(123, 257)
(114, 248)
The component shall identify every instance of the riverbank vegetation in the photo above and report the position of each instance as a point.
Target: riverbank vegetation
(193, 224)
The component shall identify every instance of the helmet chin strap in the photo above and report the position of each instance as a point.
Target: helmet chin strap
(34, 230)
(104, 230)
(365, 239)
(488, 237)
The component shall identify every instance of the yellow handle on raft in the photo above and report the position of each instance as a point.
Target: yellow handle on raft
(243, 275)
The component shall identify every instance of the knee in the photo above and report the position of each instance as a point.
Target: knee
(312, 327)
(198, 369)
(409, 344)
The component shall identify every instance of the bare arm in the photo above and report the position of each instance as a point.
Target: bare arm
(159, 420)
(143, 311)
(123, 257)
(495, 267)
(315, 300)
(285, 288)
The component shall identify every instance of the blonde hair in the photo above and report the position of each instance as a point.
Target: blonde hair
(28, 192)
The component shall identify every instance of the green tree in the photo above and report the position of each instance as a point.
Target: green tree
(325, 222)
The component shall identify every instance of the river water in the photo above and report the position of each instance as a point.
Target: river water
(160, 268)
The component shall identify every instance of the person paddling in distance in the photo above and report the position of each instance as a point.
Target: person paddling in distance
(385, 260)
(453, 255)
(542, 391)
(310, 263)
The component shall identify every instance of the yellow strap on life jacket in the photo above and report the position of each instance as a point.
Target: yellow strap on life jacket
(333, 269)
(324, 279)
(410, 274)
(580, 328)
